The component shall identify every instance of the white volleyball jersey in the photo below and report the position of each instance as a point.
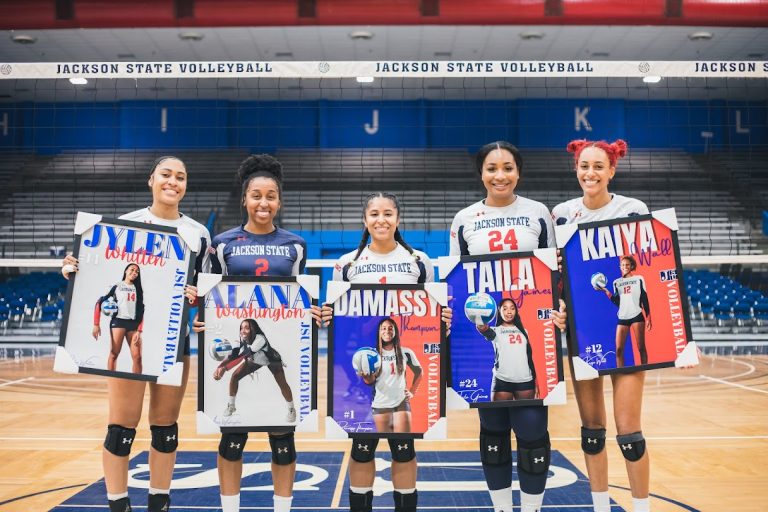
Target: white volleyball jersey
(573, 211)
(396, 267)
(511, 350)
(390, 386)
(524, 225)
(125, 296)
(631, 293)
(202, 263)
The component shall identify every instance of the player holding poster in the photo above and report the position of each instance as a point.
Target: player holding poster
(598, 233)
(150, 238)
(504, 222)
(388, 259)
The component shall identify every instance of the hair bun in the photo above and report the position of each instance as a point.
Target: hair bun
(576, 145)
(620, 148)
(262, 163)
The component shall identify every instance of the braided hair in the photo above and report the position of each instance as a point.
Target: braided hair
(366, 235)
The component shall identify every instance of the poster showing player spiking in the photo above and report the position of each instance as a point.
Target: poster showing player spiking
(627, 306)
(386, 369)
(504, 348)
(125, 313)
(257, 357)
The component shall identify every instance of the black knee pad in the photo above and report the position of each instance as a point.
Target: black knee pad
(405, 502)
(632, 445)
(119, 440)
(283, 449)
(495, 447)
(364, 450)
(402, 450)
(232, 445)
(592, 440)
(158, 503)
(165, 439)
(533, 456)
(360, 502)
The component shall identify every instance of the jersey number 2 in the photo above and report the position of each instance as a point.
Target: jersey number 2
(495, 244)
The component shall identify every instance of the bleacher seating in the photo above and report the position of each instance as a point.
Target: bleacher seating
(324, 190)
(730, 300)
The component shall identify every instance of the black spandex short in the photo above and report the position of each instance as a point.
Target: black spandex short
(122, 323)
(511, 387)
(638, 318)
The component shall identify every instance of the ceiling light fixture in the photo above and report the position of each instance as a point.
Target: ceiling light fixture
(531, 35)
(191, 36)
(700, 36)
(23, 39)
(78, 81)
(361, 35)
(651, 79)
(364, 79)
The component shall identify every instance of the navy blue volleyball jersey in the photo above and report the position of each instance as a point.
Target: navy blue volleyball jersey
(239, 253)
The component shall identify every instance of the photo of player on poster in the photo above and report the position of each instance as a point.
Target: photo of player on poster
(252, 353)
(124, 303)
(514, 374)
(391, 397)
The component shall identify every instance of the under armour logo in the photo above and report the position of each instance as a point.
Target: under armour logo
(234, 445)
(493, 448)
(402, 447)
(537, 461)
(170, 438)
(127, 440)
(626, 446)
(590, 440)
(363, 447)
(282, 450)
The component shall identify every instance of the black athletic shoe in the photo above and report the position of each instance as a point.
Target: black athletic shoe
(405, 502)
(360, 502)
(159, 503)
(121, 505)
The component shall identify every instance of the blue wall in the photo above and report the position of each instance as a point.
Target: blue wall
(265, 126)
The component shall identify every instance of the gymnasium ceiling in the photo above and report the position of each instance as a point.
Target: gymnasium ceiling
(388, 42)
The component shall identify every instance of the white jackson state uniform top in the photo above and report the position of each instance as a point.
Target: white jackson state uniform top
(203, 261)
(511, 349)
(524, 225)
(396, 267)
(390, 386)
(573, 211)
(630, 291)
(125, 296)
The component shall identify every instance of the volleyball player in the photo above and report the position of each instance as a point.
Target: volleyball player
(168, 182)
(527, 225)
(381, 218)
(125, 324)
(280, 253)
(595, 164)
(391, 398)
(629, 293)
(254, 352)
(514, 374)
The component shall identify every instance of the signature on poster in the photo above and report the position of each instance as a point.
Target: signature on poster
(473, 395)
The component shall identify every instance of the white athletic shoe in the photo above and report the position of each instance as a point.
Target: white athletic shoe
(291, 416)
(230, 410)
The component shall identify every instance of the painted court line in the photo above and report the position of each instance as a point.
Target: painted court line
(721, 381)
(9, 383)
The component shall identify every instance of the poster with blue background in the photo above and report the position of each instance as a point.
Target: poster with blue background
(396, 384)
(627, 306)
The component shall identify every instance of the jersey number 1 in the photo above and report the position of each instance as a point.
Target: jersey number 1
(495, 244)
